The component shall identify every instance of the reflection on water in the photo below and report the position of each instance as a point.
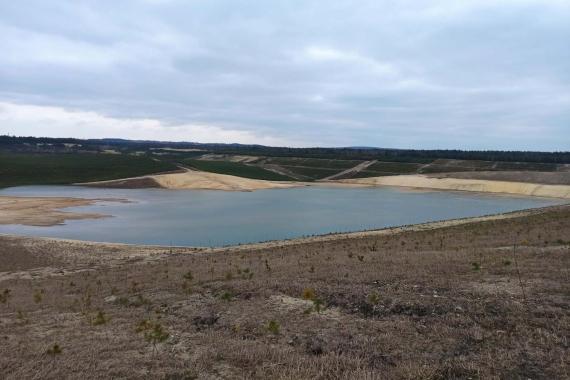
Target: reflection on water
(216, 218)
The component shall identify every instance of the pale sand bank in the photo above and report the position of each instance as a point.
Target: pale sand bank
(196, 180)
(38, 211)
(212, 181)
(484, 186)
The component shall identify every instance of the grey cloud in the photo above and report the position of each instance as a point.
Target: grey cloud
(446, 74)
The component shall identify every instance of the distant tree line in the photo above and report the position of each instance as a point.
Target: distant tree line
(45, 144)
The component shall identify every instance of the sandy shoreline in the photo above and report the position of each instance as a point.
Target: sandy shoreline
(197, 180)
(453, 297)
(471, 185)
(427, 226)
(45, 211)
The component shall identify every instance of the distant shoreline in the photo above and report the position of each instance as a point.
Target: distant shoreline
(335, 236)
(198, 180)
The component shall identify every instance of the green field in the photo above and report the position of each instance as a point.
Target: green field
(313, 162)
(18, 169)
(236, 169)
(311, 168)
(311, 172)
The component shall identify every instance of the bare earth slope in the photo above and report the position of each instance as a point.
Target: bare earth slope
(556, 185)
(192, 179)
(545, 178)
(456, 301)
(423, 181)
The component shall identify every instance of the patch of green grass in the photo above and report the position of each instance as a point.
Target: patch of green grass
(314, 162)
(236, 169)
(17, 169)
(394, 167)
(368, 173)
(311, 172)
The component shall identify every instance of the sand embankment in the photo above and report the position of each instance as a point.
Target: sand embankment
(37, 211)
(196, 180)
(543, 178)
(485, 186)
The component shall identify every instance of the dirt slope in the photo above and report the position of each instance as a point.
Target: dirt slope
(423, 181)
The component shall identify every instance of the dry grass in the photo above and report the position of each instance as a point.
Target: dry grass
(456, 302)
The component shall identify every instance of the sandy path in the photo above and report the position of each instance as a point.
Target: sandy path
(485, 186)
(37, 211)
(357, 169)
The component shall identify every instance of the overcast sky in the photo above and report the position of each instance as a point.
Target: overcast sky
(481, 74)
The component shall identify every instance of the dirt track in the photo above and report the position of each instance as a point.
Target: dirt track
(357, 169)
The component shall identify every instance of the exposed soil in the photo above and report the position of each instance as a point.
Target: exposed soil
(477, 185)
(193, 179)
(549, 178)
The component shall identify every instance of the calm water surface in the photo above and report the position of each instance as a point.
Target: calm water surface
(217, 218)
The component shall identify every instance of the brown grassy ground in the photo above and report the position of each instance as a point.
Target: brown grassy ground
(454, 302)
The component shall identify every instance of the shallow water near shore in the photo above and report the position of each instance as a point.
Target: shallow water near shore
(218, 218)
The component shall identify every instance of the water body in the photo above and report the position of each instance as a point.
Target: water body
(218, 218)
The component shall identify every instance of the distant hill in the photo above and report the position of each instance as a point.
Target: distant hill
(60, 145)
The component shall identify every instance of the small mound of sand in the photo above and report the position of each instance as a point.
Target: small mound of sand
(212, 181)
(194, 180)
(486, 186)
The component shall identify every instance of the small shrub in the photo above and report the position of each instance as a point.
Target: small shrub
(135, 287)
(100, 319)
(39, 295)
(246, 274)
(308, 294)
(140, 301)
(188, 276)
(153, 331)
(5, 295)
(226, 295)
(476, 266)
(22, 317)
(507, 262)
(318, 305)
(123, 301)
(54, 350)
(373, 298)
(187, 287)
(273, 327)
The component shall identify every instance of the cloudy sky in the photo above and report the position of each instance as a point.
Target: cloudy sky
(480, 74)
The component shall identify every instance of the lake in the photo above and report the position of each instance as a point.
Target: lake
(218, 218)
